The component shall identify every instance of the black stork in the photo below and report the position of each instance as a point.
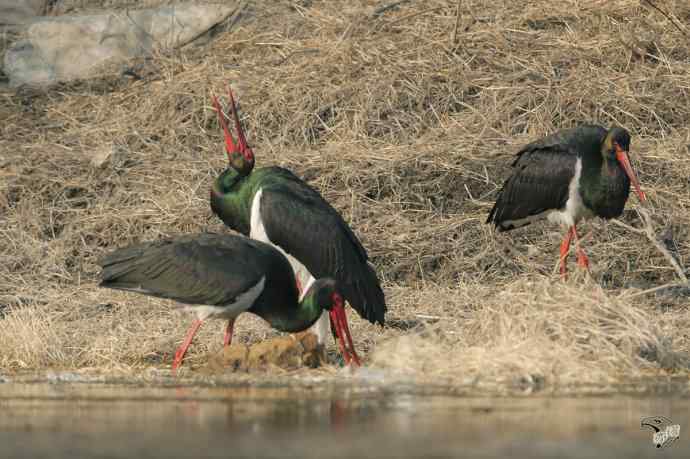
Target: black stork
(570, 175)
(273, 205)
(222, 276)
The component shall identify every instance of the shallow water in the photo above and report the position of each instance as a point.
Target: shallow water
(69, 420)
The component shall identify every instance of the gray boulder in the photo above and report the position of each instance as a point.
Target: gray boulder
(18, 12)
(70, 47)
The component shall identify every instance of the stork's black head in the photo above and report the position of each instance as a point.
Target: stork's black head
(326, 294)
(615, 147)
(240, 154)
(227, 180)
(616, 137)
(328, 297)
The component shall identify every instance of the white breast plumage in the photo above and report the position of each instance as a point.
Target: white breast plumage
(243, 302)
(574, 207)
(258, 231)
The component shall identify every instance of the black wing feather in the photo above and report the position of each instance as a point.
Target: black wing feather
(204, 269)
(540, 181)
(580, 138)
(301, 222)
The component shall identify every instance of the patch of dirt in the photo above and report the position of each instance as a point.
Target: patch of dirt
(285, 352)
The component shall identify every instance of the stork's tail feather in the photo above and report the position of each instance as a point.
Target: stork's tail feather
(365, 295)
(118, 264)
(126, 268)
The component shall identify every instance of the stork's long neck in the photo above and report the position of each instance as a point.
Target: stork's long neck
(231, 199)
(604, 185)
(295, 317)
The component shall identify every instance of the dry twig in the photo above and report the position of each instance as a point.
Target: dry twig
(454, 35)
(667, 16)
(648, 231)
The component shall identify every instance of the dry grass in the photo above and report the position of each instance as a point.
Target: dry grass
(405, 132)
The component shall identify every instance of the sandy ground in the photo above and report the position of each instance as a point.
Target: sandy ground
(406, 120)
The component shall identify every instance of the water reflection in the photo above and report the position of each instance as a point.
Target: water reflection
(60, 420)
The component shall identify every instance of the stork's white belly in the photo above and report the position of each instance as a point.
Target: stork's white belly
(574, 209)
(258, 231)
(243, 302)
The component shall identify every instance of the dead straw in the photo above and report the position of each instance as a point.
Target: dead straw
(408, 140)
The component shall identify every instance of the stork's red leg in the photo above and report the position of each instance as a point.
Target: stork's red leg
(343, 324)
(299, 286)
(179, 355)
(333, 329)
(227, 339)
(341, 336)
(347, 348)
(565, 248)
(582, 259)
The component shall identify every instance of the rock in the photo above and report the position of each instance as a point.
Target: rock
(232, 358)
(286, 352)
(314, 354)
(17, 12)
(70, 47)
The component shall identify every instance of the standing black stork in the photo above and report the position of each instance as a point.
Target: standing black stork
(273, 205)
(570, 175)
(222, 276)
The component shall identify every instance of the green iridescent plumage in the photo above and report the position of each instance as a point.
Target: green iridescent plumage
(295, 217)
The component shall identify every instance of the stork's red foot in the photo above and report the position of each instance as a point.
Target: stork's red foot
(582, 260)
(565, 248)
(182, 350)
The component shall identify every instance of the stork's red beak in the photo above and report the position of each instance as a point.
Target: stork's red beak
(230, 146)
(622, 157)
(339, 319)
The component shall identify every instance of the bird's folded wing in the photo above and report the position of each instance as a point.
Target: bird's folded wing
(539, 182)
(201, 269)
(302, 223)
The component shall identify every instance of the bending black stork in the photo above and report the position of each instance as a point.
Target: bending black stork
(570, 175)
(273, 205)
(222, 276)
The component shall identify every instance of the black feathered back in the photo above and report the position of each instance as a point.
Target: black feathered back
(299, 220)
(542, 173)
(207, 269)
(539, 183)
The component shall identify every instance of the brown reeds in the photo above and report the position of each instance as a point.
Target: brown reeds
(409, 133)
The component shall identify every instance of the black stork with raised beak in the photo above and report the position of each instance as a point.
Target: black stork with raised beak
(222, 276)
(570, 175)
(273, 205)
